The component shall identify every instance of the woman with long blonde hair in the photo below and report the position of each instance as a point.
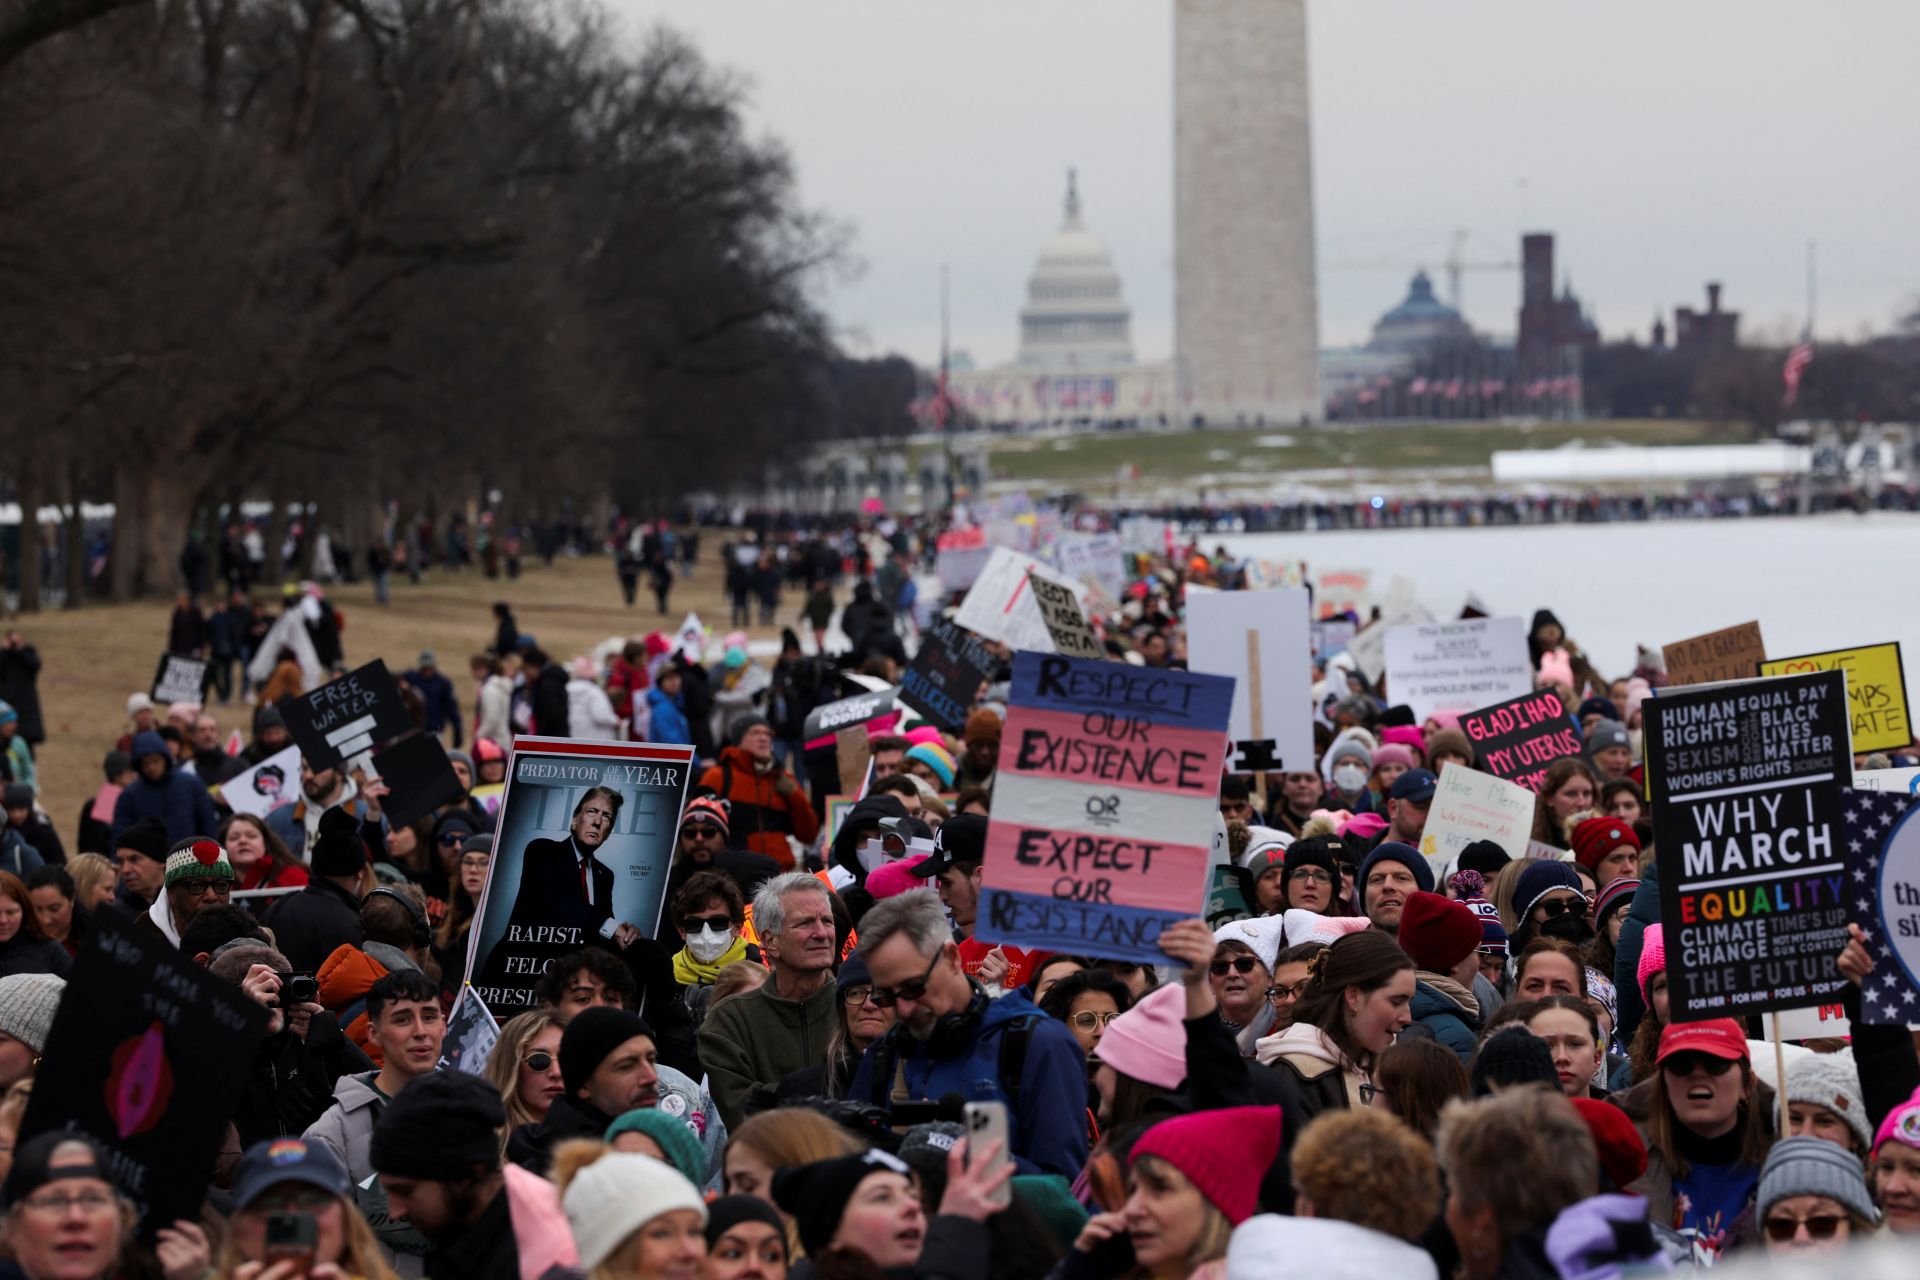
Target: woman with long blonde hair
(291, 1176)
(525, 1066)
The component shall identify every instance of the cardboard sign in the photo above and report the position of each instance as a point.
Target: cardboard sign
(1144, 535)
(1331, 635)
(1876, 691)
(1259, 639)
(691, 639)
(1065, 624)
(1517, 739)
(471, 1035)
(178, 679)
(959, 567)
(1883, 856)
(1907, 780)
(1345, 591)
(1096, 559)
(1733, 654)
(147, 1055)
(560, 878)
(265, 787)
(1457, 666)
(851, 753)
(1103, 806)
(1000, 606)
(1746, 781)
(945, 676)
(826, 721)
(1469, 805)
(347, 716)
(419, 778)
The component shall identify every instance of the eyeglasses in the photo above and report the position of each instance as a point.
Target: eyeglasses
(693, 924)
(886, 999)
(1782, 1229)
(1276, 993)
(1241, 965)
(306, 1200)
(1557, 907)
(1686, 1062)
(854, 997)
(201, 888)
(56, 1203)
(1368, 1092)
(538, 1060)
(1309, 875)
(1087, 1019)
(476, 861)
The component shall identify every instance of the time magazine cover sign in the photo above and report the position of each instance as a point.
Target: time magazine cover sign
(580, 858)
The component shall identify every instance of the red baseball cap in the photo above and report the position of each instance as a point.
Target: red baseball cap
(1716, 1037)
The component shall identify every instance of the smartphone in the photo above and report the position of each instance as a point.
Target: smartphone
(986, 1124)
(292, 1236)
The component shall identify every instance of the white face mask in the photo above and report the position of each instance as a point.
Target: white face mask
(1349, 777)
(709, 944)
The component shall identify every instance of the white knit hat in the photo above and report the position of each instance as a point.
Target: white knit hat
(618, 1194)
(28, 1002)
(1262, 935)
(1831, 1080)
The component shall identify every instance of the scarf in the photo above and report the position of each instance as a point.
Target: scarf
(689, 972)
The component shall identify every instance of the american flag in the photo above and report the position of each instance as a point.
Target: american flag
(1797, 361)
(1872, 819)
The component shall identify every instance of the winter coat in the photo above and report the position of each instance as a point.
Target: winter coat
(346, 1129)
(590, 712)
(667, 718)
(760, 1037)
(1322, 1076)
(345, 978)
(793, 691)
(487, 1250)
(1641, 912)
(1447, 1012)
(290, 1084)
(17, 856)
(736, 697)
(551, 709)
(24, 954)
(1048, 1120)
(442, 707)
(531, 1145)
(308, 925)
(761, 818)
(495, 704)
(179, 800)
(19, 689)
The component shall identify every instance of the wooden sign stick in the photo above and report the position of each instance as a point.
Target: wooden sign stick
(1254, 717)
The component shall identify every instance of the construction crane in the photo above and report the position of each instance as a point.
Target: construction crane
(1456, 266)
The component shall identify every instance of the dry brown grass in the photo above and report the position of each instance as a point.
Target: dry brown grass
(93, 658)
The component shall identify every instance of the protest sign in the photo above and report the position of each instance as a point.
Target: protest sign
(1907, 780)
(1259, 639)
(1145, 535)
(287, 635)
(580, 857)
(148, 1055)
(1104, 806)
(1457, 666)
(1883, 863)
(347, 716)
(1331, 635)
(959, 568)
(266, 786)
(1733, 654)
(852, 756)
(419, 778)
(945, 676)
(1096, 559)
(1065, 624)
(1469, 805)
(691, 639)
(826, 721)
(1000, 606)
(1876, 691)
(1517, 739)
(1339, 591)
(1746, 780)
(471, 1034)
(178, 679)
(1263, 575)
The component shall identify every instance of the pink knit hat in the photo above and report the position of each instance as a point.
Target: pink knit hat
(1555, 668)
(1149, 1041)
(1443, 719)
(1395, 753)
(1224, 1153)
(1364, 826)
(1653, 959)
(1404, 735)
(892, 878)
(1902, 1124)
(925, 733)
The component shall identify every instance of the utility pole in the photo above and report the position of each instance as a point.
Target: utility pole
(945, 411)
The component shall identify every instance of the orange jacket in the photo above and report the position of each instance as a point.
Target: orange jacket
(759, 817)
(345, 977)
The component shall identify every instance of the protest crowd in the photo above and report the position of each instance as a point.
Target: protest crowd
(1054, 901)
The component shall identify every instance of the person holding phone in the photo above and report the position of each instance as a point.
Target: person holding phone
(294, 1217)
(860, 1212)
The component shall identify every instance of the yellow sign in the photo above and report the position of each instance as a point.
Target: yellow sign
(1876, 691)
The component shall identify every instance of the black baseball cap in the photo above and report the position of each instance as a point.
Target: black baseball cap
(961, 838)
(32, 1164)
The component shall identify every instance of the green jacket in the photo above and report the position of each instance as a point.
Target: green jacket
(760, 1038)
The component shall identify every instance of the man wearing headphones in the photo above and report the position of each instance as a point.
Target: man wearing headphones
(951, 1038)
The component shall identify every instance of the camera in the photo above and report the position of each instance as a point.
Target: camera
(299, 988)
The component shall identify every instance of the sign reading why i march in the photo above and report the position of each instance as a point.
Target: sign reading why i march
(1103, 806)
(1746, 781)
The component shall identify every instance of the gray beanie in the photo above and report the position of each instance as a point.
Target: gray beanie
(1831, 1080)
(28, 1002)
(1814, 1167)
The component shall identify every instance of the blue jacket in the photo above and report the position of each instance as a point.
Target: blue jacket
(442, 708)
(669, 723)
(179, 799)
(1445, 1020)
(1048, 1123)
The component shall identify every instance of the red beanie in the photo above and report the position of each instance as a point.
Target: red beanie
(1623, 1156)
(1224, 1153)
(1438, 932)
(1595, 838)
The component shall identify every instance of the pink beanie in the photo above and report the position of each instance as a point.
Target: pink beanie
(1391, 752)
(1404, 734)
(1653, 959)
(1555, 668)
(1224, 1153)
(926, 733)
(1902, 1124)
(1149, 1041)
(1363, 826)
(1443, 719)
(892, 878)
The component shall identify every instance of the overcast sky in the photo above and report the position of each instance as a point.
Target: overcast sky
(1664, 143)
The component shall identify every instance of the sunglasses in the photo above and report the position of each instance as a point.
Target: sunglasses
(1782, 1229)
(1557, 907)
(1241, 965)
(1686, 1062)
(538, 1060)
(693, 924)
(201, 888)
(886, 997)
(1087, 1019)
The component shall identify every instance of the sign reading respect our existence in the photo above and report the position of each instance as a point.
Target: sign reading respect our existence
(1519, 738)
(1457, 666)
(1734, 653)
(1103, 806)
(1746, 780)
(1876, 691)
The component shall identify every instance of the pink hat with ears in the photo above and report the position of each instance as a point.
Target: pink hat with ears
(925, 733)
(1555, 668)
(1310, 926)
(1443, 720)
(892, 878)
(1404, 735)
(1394, 753)
(1653, 959)
(1364, 826)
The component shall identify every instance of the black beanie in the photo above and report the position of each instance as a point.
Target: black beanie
(1484, 856)
(1316, 851)
(590, 1037)
(729, 1212)
(338, 849)
(147, 836)
(1513, 1055)
(815, 1195)
(439, 1127)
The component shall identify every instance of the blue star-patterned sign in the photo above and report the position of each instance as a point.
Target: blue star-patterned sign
(1883, 849)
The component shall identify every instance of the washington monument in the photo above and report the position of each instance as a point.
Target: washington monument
(1246, 309)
